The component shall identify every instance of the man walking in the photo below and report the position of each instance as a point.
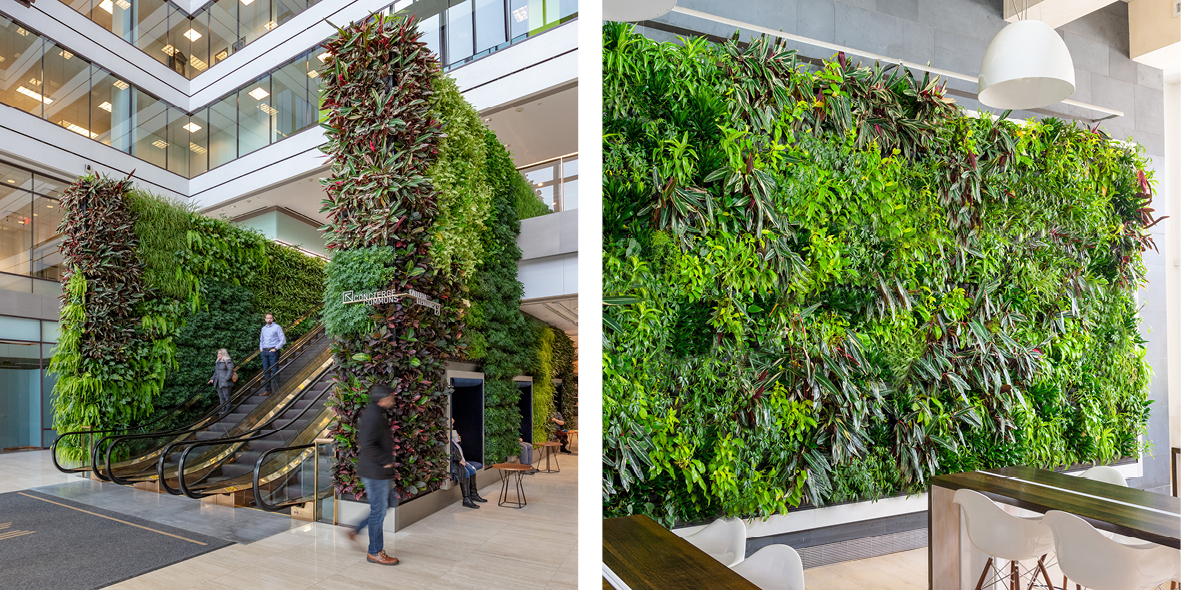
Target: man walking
(270, 341)
(375, 465)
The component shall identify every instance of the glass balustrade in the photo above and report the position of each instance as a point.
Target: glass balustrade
(45, 79)
(555, 181)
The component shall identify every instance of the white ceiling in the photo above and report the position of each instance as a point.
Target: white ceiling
(559, 312)
(537, 128)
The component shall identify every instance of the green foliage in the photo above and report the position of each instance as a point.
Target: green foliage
(360, 270)
(382, 138)
(498, 335)
(563, 364)
(464, 195)
(828, 284)
(152, 292)
(525, 201)
(543, 384)
(289, 285)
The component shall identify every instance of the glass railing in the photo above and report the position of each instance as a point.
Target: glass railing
(48, 80)
(555, 181)
(192, 44)
(189, 44)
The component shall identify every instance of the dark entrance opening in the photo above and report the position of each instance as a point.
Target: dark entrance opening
(559, 391)
(525, 405)
(467, 408)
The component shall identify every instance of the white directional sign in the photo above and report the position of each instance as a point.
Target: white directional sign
(378, 297)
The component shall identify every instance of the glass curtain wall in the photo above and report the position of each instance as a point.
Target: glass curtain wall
(26, 415)
(45, 79)
(30, 214)
(190, 44)
(555, 182)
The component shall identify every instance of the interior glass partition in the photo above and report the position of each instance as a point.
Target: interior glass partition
(30, 214)
(555, 181)
(43, 78)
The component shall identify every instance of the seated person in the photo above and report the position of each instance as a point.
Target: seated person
(464, 472)
(527, 455)
(561, 432)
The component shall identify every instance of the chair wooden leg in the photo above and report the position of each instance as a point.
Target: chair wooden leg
(984, 574)
(1040, 568)
(1014, 579)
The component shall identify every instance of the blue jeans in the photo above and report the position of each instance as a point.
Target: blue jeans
(473, 467)
(378, 491)
(269, 360)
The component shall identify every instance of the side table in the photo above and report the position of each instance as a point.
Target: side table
(511, 471)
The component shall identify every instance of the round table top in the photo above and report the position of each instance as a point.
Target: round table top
(547, 444)
(512, 467)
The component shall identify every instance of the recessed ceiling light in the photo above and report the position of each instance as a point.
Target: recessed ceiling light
(106, 106)
(11, 181)
(80, 130)
(34, 95)
(160, 143)
(519, 109)
(65, 54)
(192, 127)
(259, 93)
(49, 206)
(196, 148)
(487, 119)
(271, 25)
(246, 2)
(323, 57)
(192, 34)
(222, 55)
(124, 4)
(108, 6)
(170, 50)
(121, 85)
(22, 32)
(266, 108)
(313, 74)
(197, 63)
(521, 14)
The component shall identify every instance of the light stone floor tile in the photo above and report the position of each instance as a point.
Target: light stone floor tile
(492, 548)
(906, 570)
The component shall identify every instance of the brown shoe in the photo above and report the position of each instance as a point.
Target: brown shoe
(352, 535)
(382, 559)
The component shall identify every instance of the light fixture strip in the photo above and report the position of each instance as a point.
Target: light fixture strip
(882, 58)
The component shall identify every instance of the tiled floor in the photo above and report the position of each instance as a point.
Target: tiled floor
(897, 571)
(906, 570)
(454, 549)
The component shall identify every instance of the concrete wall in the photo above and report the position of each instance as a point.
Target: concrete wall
(953, 35)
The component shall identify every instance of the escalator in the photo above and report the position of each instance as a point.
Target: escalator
(193, 413)
(260, 447)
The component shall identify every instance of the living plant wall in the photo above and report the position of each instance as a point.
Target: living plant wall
(152, 290)
(828, 283)
(422, 196)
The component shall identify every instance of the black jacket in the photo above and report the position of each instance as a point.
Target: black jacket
(376, 443)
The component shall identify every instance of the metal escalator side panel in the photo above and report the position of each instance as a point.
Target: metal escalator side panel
(216, 454)
(143, 467)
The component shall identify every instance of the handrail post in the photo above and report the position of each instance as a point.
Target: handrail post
(316, 481)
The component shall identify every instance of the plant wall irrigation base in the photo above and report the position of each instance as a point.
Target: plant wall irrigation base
(829, 284)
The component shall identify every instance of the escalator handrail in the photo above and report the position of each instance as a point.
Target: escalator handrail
(180, 467)
(188, 402)
(258, 497)
(236, 400)
(168, 450)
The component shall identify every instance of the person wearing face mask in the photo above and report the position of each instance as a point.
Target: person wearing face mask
(465, 472)
(375, 465)
(270, 340)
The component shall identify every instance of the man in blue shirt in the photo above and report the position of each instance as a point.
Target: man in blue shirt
(270, 340)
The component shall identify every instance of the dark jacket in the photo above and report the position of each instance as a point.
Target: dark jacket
(375, 440)
(223, 372)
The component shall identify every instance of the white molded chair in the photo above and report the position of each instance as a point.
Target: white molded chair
(999, 534)
(724, 540)
(1105, 474)
(774, 567)
(1090, 559)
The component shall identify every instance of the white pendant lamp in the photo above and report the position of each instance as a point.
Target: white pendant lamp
(636, 10)
(1027, 66)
